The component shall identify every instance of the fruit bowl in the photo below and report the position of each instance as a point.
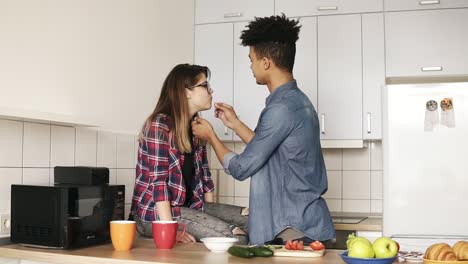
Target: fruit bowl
(351, 260)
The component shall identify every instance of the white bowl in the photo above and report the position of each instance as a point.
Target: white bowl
(219, 244)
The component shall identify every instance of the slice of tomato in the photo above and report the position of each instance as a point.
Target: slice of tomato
(317, 245)
(294, 245)
(288, 245)
(300, 245)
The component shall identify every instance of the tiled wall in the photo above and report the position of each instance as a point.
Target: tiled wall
(354, 179)
(30, 151)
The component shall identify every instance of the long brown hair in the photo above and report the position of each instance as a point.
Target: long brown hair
(173, 102)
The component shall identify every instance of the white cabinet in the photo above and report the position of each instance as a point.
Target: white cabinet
(212, 11)
(398, 5)
(305, 65)
(297, 8)
(340, 77)
(430, 42)
(249, 98)
(373, 74)
(213, 48)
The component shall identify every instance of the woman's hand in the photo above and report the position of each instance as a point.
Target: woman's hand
(202, 129)
(186, 238)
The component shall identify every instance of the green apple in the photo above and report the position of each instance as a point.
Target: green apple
(360, 247)
(385, 247)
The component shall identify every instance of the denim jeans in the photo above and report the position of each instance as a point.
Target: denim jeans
(214, 220)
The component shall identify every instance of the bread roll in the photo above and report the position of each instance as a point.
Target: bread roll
(461, 250)
(441, 252)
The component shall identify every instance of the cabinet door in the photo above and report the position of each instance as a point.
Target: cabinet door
(373, 74)
(249, 97)
(305, 66)
(398, 5)
(297, 8)
(430, 42)
(340, 76)
(212, 11)
(213, 48)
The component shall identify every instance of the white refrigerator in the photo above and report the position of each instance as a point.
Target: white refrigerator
(425, 143)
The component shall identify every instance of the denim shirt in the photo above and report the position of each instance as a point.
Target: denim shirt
(285, 162)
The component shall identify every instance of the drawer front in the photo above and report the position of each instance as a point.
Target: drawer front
(298, 8)
(214, 11)
(399, 5)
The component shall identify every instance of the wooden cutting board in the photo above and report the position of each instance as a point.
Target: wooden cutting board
(305, 253)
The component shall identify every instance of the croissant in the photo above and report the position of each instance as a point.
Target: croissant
(440, 251)
(461, 250)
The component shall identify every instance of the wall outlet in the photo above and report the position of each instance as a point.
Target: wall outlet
(5, 223)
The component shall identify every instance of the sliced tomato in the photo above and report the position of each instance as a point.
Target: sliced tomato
(316, 245)
(300, 245)
(288, 245)
(294, 245)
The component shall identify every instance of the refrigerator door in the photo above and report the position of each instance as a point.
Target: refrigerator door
(425, 172)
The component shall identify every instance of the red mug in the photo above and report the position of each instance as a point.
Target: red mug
(165, 233)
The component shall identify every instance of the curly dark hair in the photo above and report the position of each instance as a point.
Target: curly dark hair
(273, 37)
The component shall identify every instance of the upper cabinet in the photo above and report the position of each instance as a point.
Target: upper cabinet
(429, 42)
(399, 5)
(298, 8)
(340, 77)
(249, 97)
(213, 48)
(213, 11)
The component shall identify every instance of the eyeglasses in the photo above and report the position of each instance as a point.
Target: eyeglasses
(205, 85)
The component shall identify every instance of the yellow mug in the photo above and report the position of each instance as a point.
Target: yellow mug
(122, 234)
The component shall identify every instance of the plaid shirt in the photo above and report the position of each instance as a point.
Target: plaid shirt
(159, 173)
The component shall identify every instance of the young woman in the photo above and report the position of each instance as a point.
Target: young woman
(173, 179)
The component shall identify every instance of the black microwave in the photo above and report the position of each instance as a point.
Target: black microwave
(64, 216)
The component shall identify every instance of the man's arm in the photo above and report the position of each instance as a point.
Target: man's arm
(227, 114)
(243, 131)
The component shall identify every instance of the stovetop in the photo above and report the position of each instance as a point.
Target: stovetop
(347, 220)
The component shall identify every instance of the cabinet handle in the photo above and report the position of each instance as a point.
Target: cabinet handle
(436, 68)
(369, 123)
(327, 8)
(322, 118)
(226, 131)
(231, 15)
(429, 2)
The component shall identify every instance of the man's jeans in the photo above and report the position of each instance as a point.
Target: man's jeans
(215, 220)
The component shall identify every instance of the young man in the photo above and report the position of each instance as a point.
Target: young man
(283, 156)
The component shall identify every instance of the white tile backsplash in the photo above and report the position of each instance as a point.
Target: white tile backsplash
(62, 146)
(356, 206)
(333, 159)
(334, 205)
(8, 176)
(334, 185)
(376, 185)
(36, 176)
(86, 147)
(356, 185)
(107, 149)
(11, 143)
(226, 184)
(356, 159)
(226, 199)
(112, 176)
(125, 151)
(36, 146)
(241, 201)
(376, 156)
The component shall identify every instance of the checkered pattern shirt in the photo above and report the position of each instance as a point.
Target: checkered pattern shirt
(159, 173)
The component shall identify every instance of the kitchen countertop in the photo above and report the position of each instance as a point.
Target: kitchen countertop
(144, 252)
